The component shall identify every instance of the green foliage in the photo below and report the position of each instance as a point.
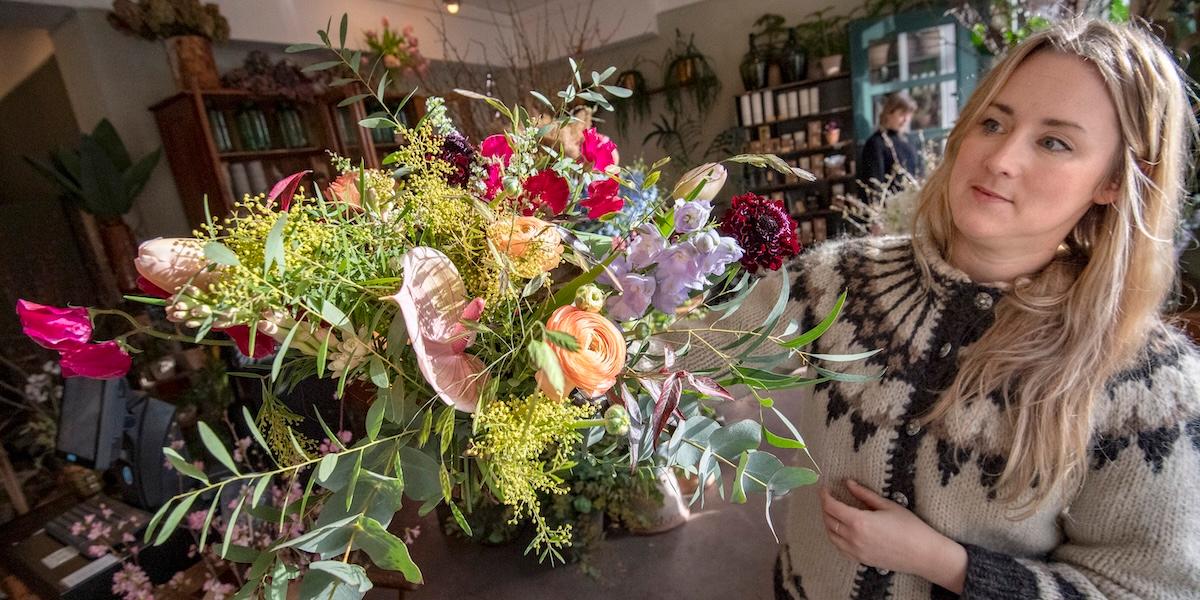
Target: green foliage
(98, 175)
(161, 19)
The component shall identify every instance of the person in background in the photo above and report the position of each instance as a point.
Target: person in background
(887, 157)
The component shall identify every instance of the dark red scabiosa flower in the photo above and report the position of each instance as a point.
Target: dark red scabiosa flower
(764, 230)
(457, 151)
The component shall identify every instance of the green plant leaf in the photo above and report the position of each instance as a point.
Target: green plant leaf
(135, 177)
(104, 194)
(172, 520)
(781, 442)
(733, 439)
(565, 341)
(386, 550)
(326, 466)
(739, 491)
(273, 253)
(295, 48)
(215, 447)
(350, 574)
(321, 66)
(420, 475)
(375, 417)
(183, 466)
(221, 254)
(256, 432)
(230, 528)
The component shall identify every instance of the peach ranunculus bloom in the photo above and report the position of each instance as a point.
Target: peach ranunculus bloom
(534, 245)
(345, 189)
(600, 358)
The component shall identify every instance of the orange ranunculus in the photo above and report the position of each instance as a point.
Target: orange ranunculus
(534, 245)
(345, 189)
(601, 356)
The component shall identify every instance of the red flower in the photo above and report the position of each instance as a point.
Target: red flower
(264, 345)
(764, 230)
(598, 149)
(493, 181)
(54, 328)
(497, 145)
(97, 361)
(602, 198)
(546, 188)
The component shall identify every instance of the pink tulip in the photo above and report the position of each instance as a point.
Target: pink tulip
(433, 304)
(54, 328)
(598, 149)
(97, 361)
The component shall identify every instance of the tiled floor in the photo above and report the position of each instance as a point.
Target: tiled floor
(724, 552)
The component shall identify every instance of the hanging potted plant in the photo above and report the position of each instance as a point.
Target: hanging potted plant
(187, 28)
(102, 180)
(688, 68)
(637, 104)
(827, 40)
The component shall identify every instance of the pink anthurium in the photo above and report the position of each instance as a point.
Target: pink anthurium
(433, 304)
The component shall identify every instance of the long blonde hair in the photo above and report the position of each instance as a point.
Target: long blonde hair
(1061, 334)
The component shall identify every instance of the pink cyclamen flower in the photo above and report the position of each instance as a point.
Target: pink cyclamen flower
(602, 198)
(598, 149)
(433, 303)
(497, 146)
(54, 328)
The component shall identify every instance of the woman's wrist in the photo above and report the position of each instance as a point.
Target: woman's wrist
(948, 567)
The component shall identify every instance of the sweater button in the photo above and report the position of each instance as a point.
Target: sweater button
(882, 571)
(983, 301)
(944, 351)
(900, 498)
(913, 428)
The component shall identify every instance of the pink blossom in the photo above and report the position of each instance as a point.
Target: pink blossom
(97, 361)
(131, 583)
(546, 188)
(432, 300)
(602, 198)
(240, 448)
(493, 181)
(195, 519)
(97, 550)
(127, 538)
(54, 328)
(77, 528)
(497, 146)
(598, 149)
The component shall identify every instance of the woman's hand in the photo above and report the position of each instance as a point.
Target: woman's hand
(888, 536)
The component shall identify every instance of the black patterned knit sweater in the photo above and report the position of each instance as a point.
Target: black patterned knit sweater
(1132, 530)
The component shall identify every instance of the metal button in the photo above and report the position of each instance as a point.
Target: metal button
(882, 571)
(913, 428)
(983, 301)
(900, 498)
(944, 351)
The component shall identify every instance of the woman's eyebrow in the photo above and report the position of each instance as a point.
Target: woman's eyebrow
(1050, 121)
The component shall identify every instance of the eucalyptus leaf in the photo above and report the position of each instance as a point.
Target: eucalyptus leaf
(213, 444)
(221, 254)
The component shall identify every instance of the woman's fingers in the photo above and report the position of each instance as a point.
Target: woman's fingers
(868, 497)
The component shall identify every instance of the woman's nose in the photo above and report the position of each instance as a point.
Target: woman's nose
(1006, 157)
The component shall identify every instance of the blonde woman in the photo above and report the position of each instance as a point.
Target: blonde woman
(1036, 429)
(886, 157)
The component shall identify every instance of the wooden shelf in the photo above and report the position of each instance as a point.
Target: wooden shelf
(839, 147)
(813, 214)
(804, 118)
(266, 154)
(783, 187)
(798, 84)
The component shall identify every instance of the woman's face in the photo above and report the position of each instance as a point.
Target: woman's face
(898, 119)
(1040, 155)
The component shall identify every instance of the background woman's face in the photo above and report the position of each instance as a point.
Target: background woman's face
(1038, 157)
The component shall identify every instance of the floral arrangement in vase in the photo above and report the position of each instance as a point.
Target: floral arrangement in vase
(398, 49)
(460, 298)
(162, 19)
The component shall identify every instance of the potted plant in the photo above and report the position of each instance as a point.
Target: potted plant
(688, 68)
(187, 28)
(825, 37)
(101, 179)
(637, 104)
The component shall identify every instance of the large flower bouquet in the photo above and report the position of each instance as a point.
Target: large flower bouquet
(494, 339)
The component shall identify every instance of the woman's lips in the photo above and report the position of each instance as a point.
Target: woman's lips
(983, 194)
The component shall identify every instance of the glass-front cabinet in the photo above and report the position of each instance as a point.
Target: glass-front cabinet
(925, 53)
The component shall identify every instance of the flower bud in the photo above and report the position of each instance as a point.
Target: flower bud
(616, 420)
(589, 298)
(170, 263)
(710, 175)
(642, 331)
(192, 324)
(202, 311)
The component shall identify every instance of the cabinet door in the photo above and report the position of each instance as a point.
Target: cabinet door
(925, 53)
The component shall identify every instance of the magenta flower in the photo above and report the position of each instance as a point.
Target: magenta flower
(96, 361)
(497, 146)
(598, 149)
(493, 181)
(602, 198)
(433, 304)
(54, 328)
(546, 188)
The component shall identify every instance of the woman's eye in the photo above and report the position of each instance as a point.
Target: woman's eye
(990, 125)
(1054, 144)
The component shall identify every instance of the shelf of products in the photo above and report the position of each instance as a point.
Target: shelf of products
(223, 144)
(808, 124)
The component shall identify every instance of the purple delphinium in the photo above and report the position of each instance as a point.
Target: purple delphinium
(690, 216)
(634, 299)
(645, 246)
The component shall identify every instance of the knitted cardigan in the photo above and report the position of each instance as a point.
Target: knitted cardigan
(1131, 530)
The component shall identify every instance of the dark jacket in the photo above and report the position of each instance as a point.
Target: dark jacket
(882, 154)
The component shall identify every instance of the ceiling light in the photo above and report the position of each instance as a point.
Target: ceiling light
(451, 6)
